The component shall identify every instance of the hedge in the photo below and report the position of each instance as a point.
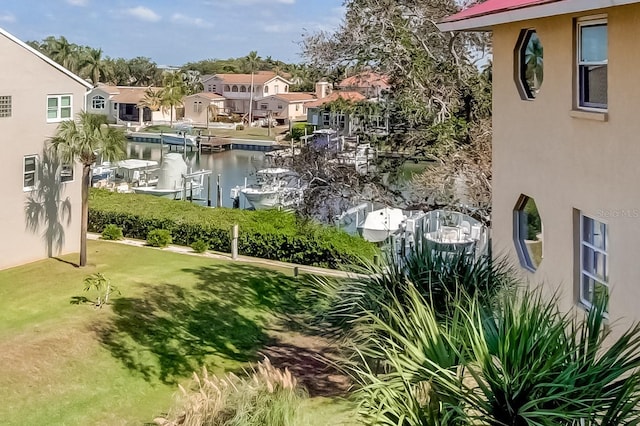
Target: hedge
(268, 234)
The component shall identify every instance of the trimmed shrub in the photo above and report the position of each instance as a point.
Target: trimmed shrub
(159, 238)
(298, 130)
(199, 246)
(112, 232)
(239, 127)
(269, 234)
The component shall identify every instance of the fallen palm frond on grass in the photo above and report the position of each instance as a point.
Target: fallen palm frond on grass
(266, 396)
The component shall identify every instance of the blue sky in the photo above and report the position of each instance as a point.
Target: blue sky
(173, 32)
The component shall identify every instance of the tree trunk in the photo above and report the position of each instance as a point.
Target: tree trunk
(86, 182)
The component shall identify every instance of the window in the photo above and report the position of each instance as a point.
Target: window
(280, 106)
(58, 108)
(234, 89)
(275, 89)
(243, 89)
(594, 262)
(529, 64)
(5, 106)
(592, 61)
(66, 173)
(226, 88)
(97, 102)
(527, 233)
(197, 107)
(286, 88)
(264, 106)
(297, 107)
(29, 172)
(266, 89)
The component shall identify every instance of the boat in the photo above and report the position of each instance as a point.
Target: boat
(448, 231)
(173, 179)
(381, 224)
(276, 188)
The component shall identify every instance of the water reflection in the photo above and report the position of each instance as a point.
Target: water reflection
(233, 167)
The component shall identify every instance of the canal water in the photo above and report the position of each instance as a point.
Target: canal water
(233, 166)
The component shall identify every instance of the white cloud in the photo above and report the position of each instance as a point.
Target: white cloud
(143, 13)
(179, 18)
(78, 2)
(230, 3)
(7, 17)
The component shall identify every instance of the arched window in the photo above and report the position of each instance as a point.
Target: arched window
(97, 102)
(286, 88)
(234, 88)
(243, 89)
(226, 88)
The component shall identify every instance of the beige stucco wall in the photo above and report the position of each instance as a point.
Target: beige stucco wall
(29, 79)
(568, 163)
(200, 117)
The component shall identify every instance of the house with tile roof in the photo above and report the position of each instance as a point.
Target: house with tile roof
(367, 83)
(237, 88)
(122, 105)
(284, 107)
(566, 199)
(200, 108)
(36, 95)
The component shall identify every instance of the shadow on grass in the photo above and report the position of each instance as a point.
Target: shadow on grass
(172, 330)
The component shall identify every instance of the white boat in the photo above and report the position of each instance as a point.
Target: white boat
(276, 188)
(171, 179)
(381, 224)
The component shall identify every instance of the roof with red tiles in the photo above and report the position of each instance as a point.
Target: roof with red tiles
(366, 79)
(347, 96)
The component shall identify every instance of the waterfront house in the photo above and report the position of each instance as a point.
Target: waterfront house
(284, 107)
(36, 94)
(566, 143)
(201, 108)
(236, 88)
(367, 83)
(122, 105)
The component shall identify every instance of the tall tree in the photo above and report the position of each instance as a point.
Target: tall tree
(84, 140)
(434, 102)
(252, 60)
(93, 66)
(172, 92)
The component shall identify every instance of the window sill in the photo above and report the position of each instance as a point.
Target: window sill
(589, 115)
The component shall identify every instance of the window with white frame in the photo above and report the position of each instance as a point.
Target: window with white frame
(280, 106)
(97, 102)
(66, 173)
(592, 49)
(197, 107)
(275, 89)
(5, 106)
(58, 107)
(29, 172)
(594, 262)
(266, 89)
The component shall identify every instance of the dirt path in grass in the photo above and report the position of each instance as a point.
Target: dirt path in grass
(309, 360)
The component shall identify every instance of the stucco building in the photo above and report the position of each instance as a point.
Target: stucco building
(40, 213)
(565, 142)
(122, 105)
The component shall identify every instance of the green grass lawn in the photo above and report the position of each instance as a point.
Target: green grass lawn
(72, 364)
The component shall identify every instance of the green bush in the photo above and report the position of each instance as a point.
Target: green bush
(159, 238)
(298, 130)
(200, 246)
(269, 234)
(239, 127)
(112, 232)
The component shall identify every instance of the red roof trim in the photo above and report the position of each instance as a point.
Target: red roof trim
(490, 7)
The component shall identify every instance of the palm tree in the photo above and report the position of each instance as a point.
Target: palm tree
(172, 93)
(93, 66)
(84, 140)
(252, 60)
(152, 99)
(64, 53)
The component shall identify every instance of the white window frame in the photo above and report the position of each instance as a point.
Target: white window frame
(266, 89)
(70, 175)
(98, 102)
(58, 109)
(25, 172)
(197, 107)
(587, 22)
(585, 245)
